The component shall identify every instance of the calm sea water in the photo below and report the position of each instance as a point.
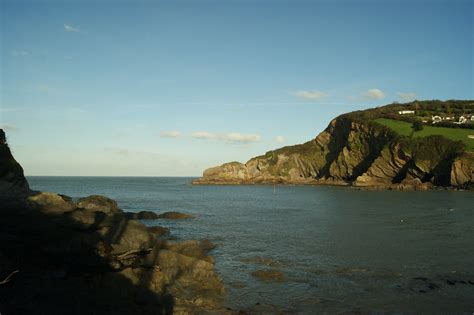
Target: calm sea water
(340, 249)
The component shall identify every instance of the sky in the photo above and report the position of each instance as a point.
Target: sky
(170, 88)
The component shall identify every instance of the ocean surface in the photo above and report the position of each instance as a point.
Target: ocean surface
(341, 250)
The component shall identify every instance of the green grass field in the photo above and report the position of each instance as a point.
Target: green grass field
(404, 129)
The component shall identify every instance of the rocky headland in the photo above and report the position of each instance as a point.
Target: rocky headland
(87, 256)
(354, 150)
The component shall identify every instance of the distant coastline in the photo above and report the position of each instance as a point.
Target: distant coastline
(358, 150)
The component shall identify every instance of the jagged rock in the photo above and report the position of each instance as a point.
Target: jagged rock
(462, 170)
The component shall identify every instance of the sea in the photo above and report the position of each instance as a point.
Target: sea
(339, 249)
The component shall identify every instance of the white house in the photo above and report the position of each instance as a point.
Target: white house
(472, 118)
(436, 119)
(462, 120)
(406, 112)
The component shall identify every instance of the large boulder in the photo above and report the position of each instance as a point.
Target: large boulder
(126, 235)
(98, 203)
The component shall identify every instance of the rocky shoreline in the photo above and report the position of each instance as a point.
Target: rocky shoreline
(88, 256)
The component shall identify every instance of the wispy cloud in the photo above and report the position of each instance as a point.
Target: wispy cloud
(19, 53)
(369, 95)
(170, 134)
(233, 137)
(69, 28)
(8, 127)
(406, 96)
(374, 94)
(280, 139)
(310, 95)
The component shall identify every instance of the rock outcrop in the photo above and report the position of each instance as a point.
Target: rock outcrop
(60, 256)
(359, 153)
(13, 184)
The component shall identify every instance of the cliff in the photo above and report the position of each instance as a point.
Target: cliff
(12, 181)
(88, 256)
(355, 150)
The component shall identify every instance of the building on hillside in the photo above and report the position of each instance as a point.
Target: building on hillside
(436, 119)
(462, 120)
(406, 112)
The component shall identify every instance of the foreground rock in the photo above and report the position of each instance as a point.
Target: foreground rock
(65, 252)
(58, 256)
(354, 150)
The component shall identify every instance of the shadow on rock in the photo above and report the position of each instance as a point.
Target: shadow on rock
(88, 257)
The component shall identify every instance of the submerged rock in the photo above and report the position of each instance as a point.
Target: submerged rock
(269, 275)
(174, 215)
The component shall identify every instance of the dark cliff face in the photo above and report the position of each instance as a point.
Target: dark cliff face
(12, 180)
(359, 153)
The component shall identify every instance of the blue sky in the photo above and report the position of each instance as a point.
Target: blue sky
(169, 88)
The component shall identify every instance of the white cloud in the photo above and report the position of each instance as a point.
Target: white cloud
(375, 94)
(280, 139)
(240, 138)
(170, 134)
(19, 53)
(406, 96)
(310, 95)
(69, 28)
(203, 135)
(233, 137)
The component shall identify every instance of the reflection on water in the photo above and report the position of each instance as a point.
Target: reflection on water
(339, 249)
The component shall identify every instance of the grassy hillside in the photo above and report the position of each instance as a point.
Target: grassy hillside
(404, 128)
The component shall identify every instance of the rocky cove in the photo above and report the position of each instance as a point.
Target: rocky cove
(297, 250)
(65, 256)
